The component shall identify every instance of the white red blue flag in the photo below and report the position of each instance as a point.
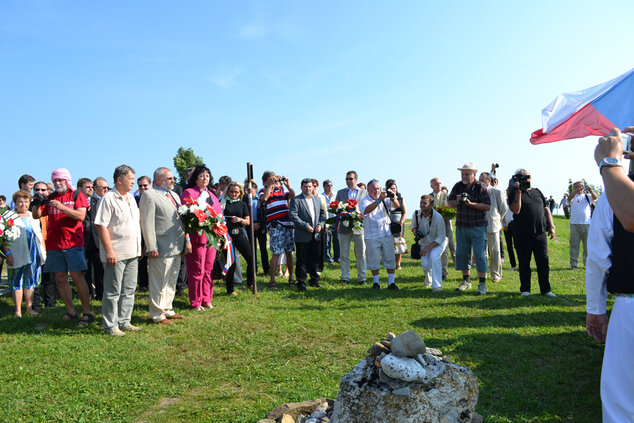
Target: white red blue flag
(593, 111)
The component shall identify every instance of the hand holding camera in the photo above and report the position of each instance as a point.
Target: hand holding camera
(464, 199)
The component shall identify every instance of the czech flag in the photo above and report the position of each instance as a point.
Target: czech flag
(593, 111)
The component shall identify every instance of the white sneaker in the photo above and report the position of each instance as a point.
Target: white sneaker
(115, 332)
(550, 294)
(130, 328)
(525, 294)
(482, 289)
(464, 285)
(427, 284)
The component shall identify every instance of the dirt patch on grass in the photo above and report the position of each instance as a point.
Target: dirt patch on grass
(160, 408)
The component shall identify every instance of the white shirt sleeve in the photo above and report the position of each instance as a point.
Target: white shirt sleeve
(599, 257)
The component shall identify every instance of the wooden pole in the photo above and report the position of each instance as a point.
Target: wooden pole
(254, 287)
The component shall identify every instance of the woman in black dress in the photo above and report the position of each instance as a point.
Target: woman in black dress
(237, 216)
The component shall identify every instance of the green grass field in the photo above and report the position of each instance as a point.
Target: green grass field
(532, 356)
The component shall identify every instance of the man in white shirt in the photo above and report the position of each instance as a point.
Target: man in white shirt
(118, 226)
(428, 227)
(494, 225)
(610, 268)
(440, 199)
(379, 242)
(580, 213)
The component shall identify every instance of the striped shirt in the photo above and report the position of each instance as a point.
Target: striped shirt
(277, 207)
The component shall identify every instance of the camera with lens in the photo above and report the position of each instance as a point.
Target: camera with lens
(418, 236)
(463, 198)
(522, 179)
(389, 194)
(40, 200)
(282, 179)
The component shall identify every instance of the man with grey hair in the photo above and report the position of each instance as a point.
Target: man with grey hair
(581, 200)
(494, 225)
(164, 236)
(117, 222)
(471, 201)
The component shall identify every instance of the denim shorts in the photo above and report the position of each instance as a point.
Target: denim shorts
(61, 261)
(282, 239)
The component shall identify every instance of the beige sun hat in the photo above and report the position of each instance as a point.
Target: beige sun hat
(468, 166)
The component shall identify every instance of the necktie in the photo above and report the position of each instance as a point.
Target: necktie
(171, 198)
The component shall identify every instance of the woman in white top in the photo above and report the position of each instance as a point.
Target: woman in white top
(25, 256)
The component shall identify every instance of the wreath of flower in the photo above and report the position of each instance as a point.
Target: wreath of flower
(346, 213)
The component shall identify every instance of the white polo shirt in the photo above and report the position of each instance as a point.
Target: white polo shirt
(121, 217)
(580, 211)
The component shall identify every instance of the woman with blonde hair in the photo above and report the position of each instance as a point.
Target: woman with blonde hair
(25, 255)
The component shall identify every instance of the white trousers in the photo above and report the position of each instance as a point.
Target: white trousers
(344, 255)
(162, 275)
(432, 265)
(617, 375)
(495, 257)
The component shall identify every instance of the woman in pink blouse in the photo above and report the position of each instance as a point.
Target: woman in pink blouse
(201, 260)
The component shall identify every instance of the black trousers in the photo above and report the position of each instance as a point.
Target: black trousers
(260, 241)
(508, 237)
(94, 274)
(142, 278)
(48, 289)
(243, 246)
(535, 245)
(308, 255)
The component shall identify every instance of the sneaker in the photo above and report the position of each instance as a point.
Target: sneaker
(436, 290)
(130, 328)
(115, 332)
(482, 289)
(376, 286)
(464, 285)
(427, 284)
(291, 283)
(393, 287)
(550, 294)
(525, 294)
(273, 285)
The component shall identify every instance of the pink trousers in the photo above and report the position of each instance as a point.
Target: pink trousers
(199, 265)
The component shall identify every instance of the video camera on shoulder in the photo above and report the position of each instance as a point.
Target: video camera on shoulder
(522, 179)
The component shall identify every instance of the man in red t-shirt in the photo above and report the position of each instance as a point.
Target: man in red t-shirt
(66, 210)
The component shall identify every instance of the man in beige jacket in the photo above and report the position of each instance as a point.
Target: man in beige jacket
(164, 236)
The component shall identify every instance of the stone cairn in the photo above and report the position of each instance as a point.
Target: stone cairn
(400, 381)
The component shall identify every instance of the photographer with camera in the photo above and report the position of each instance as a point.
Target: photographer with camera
(532, 220)
(581, 201)
(282, 239)
(471, 201)
(428, 227)
(610, 268)
(376, 208)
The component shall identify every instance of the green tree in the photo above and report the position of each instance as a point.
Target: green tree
(184, 159)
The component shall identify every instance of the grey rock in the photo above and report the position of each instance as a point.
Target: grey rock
(322, 407)
(407, 344)
(448, 395)
(296, 408)
(405, 392)
(266, 421)
(317, 414)
(403, 368)
(311, 420)
(385, 378)
(476, 418)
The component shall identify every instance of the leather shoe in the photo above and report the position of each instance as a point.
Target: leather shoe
(165, 322)
(301, 286)
(315, 284)
(175, 316)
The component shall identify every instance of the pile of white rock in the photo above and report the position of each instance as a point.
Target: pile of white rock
(400, 381)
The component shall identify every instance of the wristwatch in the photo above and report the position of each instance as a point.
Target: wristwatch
(610, 162)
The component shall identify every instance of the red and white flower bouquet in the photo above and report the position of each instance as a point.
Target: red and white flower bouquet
(201, 218)
(8, 230)
(346, 213)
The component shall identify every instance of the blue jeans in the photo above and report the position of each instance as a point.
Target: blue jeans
(468, 239)
(331, 238)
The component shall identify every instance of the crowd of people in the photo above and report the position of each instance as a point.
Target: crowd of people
(112, 241)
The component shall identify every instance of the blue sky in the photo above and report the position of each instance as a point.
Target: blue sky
(403, 90)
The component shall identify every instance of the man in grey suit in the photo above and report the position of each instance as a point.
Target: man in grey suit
(347, 235)
(309, 217)
(494, 226)
(164, 236)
